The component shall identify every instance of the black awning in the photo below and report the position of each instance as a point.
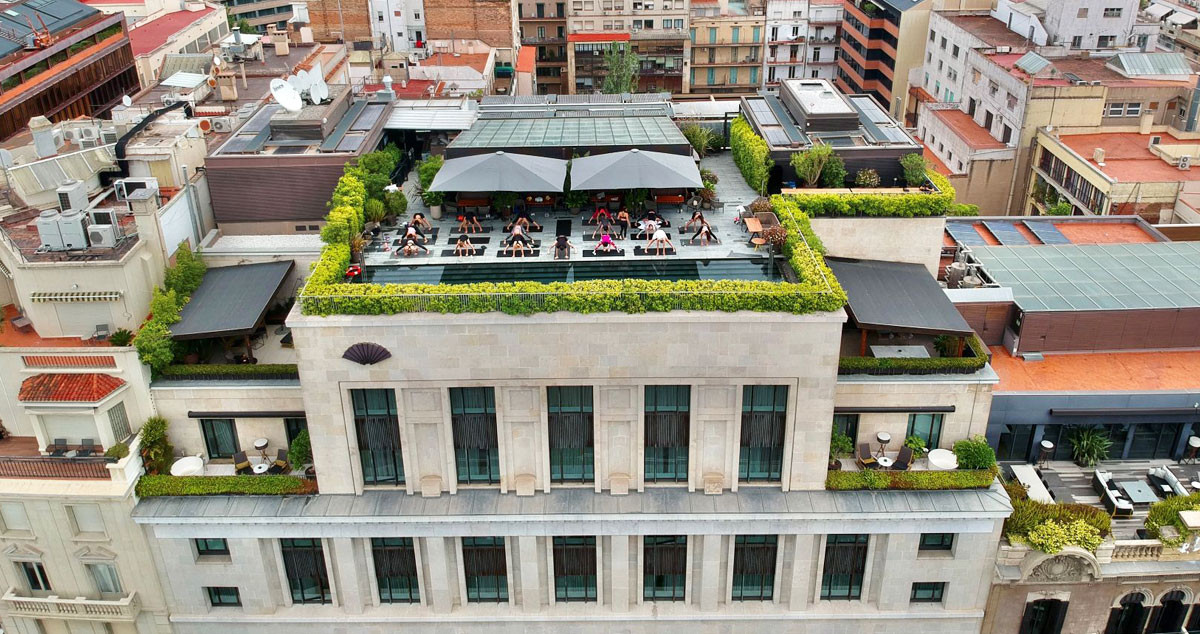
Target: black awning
(915, 409)
(252, 414)
(231, 301)
(897, 296)
(1122, 411)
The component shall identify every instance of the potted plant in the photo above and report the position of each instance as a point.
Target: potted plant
(434, 201)
(707, 197)
(917, 444)
(374, 212)
(576, 200)
(396, 204)
(357, 244)
(503, 202)
(1089, 445)
(776, 237)
(635, 198)
(426, 171)
(840, 446)
(866, 177)
(300, 452)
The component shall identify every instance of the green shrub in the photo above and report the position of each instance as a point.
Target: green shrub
(834, 174)
(117, 451)
(840, 445)
(396, 203)
(702, 139)
(426, 171)
(816, 204)
(154, 345)
(866, 177)
(504, 200)
(1063, 208)
(187, 273)
(708, 176)
(576, 199)
(916, 169)
(1028, 514)
(932, 365)
(1166, 513)
(751, 154)
(810, 164)
(962, 209)
(157, 452)
(974, 453)
(160, 485)
(1051, 537)
(300, 453)
(120, 337)
(917, 444)
(230, 370)
(374, 210)
(1089, 445)
(909, 480)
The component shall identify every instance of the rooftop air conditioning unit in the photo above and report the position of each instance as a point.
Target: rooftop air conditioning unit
(222, 124)
(108, 136)
(72, 195)
(103, 217)
(103, 236)
(168, 100)
(48, 231)
(73, 225)
(126, 186)
(1185, 162)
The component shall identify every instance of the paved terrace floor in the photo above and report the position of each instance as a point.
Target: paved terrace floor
(1070, 483)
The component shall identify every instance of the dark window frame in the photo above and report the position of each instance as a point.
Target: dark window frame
(476, 444)
(304, 560)
(667, 435)
(35, 576)
(936, 542)
(219, 596)
(845, 555)
(575, 568)
(847, 423)
(664, 567)
(933, 434)
(377, 432)
(763, 433)
(570, 423)
(927, 592)
(485, 569)
(754, 559)
(397, 576)
(207, 431)
(207, 546)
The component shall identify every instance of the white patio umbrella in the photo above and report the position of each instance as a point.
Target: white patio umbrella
(500, 172)
(634, 169)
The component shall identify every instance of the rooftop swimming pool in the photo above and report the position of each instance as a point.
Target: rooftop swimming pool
(575, 270)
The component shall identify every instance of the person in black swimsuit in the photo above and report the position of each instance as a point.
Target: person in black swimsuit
(419, 220)
(470, 222)
(518, 243)
(705, 233)
(563, 248)
(604, 226)
(411, 246)
(464, 246)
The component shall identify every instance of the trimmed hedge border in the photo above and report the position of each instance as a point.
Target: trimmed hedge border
(876, 479)
(818, 290)
(218, 371)
(935, 365)
(167, 485)
(1029, 514)
(898, 205)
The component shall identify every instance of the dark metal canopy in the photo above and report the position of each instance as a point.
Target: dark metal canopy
(231, 301)
(897, 296)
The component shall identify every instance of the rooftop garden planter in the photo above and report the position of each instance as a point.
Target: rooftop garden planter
(878, 479)
(167, 485)
(1165, 513)
(241, 371)
(1051, 527)
(888, 366)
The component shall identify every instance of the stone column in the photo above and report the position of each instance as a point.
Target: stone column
(619, 553)
(530, 573)
(443, 574)
(707, 575)
(804, 570)
(348, 563)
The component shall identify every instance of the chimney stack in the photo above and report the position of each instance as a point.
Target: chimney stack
(43, 137)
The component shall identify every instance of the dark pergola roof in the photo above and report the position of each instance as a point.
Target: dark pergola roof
(897, 296)
(231, 301)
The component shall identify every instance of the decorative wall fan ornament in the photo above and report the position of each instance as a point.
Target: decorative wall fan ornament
(366, 353)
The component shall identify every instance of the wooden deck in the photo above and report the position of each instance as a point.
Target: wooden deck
(1070, 483)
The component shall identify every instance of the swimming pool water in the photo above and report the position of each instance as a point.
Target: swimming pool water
(759, 269)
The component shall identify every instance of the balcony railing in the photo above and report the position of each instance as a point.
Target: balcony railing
(1137, 549)
(62, 468)
(544, 40)
(79, 608)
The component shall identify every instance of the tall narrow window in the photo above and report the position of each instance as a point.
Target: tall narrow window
(35, 575)
(105, 577)
(1044, 616)
(378, 427)
(927, 427)
(664, 567)
(764, 417)
(395, 569)
(304, 564)
(754, 567)
(476, 449)
(485, 569)
(575, 568)
(569, 412)
(292, 427)
(846, 424)
(845, 565)
(220, 437)
(1130, 618)
(668, 419)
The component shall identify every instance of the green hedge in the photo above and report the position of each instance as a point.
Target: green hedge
(159, 485)
(1028, 514)
(910, 205)
(1166, 513)
(913, 480)
(817, 290)
(751, 154)
(230, 370)
(932, 365)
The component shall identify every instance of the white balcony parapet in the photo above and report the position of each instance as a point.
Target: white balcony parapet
(79, 608)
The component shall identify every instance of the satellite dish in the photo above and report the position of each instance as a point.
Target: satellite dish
(216, 61)
(126, 101)
(296, 83)
(286, 96)
(305, 80)
(318, 90)
(6, 158)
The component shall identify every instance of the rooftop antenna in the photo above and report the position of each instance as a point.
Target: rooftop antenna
(286, 95)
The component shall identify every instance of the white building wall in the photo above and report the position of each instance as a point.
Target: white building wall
(398, 23)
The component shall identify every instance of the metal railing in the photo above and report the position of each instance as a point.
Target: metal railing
(92, 468)
(79, 608)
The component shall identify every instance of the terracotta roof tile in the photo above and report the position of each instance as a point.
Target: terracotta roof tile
(68, 388)
(67, 361)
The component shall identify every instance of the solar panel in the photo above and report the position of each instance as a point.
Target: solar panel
(1006, 232)
(965, 234)
(776, 136)
(1046, 232)
(369, 117)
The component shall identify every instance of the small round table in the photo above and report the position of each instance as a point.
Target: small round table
(883, 438)
(260, 468)
(885, 462)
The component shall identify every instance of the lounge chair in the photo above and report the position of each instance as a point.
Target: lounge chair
(58, 448)
(864, 458)
(87, 447)
(281, 464)
(241, 464)
(904, 460)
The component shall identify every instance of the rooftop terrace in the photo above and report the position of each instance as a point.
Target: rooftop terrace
(992, 31)
(1097, 372)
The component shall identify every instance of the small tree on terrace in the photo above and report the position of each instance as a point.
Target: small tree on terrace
(810, 163)
(622, 64)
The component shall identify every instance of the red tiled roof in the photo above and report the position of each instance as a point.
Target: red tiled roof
(67, 361)
(598, 37)
(149, 36)
(525, 59)
(970, 132)
(1127, 156)
(415, 88)
(68, 388)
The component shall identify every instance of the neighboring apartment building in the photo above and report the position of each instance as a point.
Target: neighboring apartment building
(727, 46)
(543, 26)
(1120, 380)
(451, 24)
(802, 40)
(1178, 26)
(193, 30)
(80, 66)
(980, 109)
(1078, 24)
(654, 29)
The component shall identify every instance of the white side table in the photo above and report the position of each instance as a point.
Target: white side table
(885, 462)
